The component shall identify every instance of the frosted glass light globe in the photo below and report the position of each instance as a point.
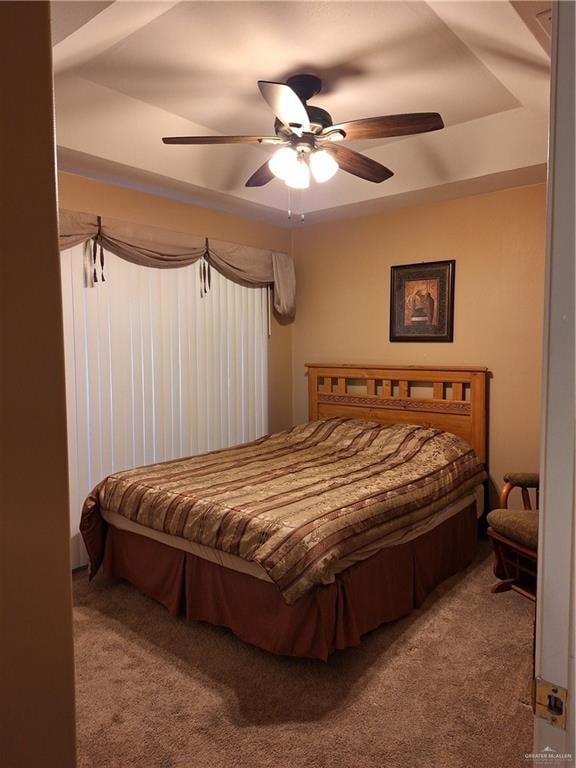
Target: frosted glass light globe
(299, 175)
(282, 162)
(322, 165)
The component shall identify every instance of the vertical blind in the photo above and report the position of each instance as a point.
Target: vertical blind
(154, 371)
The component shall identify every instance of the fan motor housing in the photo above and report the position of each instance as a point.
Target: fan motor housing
(319, 119)
(305, 85)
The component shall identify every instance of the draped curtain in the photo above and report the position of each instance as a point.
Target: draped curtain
(165, 249)
(154, 372)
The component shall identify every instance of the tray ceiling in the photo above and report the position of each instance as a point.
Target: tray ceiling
(128, 73)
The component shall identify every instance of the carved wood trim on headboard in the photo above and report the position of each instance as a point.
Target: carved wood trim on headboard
(452, 399)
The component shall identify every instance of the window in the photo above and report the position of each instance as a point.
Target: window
(154, 371)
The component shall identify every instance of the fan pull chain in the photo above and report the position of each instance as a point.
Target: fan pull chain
(297, 205)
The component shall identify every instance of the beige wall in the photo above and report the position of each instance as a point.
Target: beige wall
(80, 194)
(343, 272)
(37, 675)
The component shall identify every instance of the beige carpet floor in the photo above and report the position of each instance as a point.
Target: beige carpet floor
(446, 687)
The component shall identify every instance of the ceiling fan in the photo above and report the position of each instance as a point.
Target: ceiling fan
(309, 143)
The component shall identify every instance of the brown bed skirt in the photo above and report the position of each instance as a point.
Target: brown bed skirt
(380, 589)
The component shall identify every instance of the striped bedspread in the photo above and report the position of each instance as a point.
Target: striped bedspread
(298, 501)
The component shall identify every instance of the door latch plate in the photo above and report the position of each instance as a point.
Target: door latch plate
(551, 702)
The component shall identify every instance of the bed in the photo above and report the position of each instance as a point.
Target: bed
(303, 541)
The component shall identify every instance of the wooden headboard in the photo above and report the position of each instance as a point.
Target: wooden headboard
(452, 399)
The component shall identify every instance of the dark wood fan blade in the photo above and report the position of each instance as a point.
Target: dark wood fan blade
(285, 104)
(357, 164)
(221, 140)
(260, 177)
(390, 125)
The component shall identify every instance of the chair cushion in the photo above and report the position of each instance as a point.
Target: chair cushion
(523, 479)
(520, 525)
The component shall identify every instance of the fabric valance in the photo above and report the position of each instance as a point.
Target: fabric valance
(165, 249)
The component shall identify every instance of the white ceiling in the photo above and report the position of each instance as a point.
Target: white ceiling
(128, 73)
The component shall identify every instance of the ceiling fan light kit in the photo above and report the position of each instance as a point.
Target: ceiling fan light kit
(294, 166)
(309, 142)
(282, 162)
(322, 165)
(298, 176)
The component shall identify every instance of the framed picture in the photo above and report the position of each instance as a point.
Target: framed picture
(422, 302)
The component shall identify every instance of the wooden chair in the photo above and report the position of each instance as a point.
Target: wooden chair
(514, 535)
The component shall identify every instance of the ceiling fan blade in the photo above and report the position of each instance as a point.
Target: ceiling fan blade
(285, 104)
(261, 176)
(222, 140)
(390, 125)
(357, 164)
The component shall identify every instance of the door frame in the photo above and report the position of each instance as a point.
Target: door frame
(554, 653)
